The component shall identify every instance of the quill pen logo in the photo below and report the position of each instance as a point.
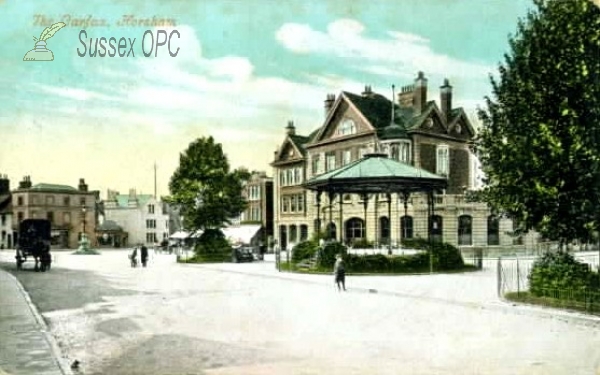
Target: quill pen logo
(40, 52)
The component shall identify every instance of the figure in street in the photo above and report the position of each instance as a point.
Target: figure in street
(133, 257)
(339, 272)
(144, 255)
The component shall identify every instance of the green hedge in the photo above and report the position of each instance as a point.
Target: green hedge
(561, 272)
(326, 258)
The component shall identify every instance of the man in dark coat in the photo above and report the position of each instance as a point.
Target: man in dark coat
(144, 255)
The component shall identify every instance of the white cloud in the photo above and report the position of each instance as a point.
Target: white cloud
(401, 53)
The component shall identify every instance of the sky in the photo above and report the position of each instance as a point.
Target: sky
(242, 69)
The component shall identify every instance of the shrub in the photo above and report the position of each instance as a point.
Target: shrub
(554, 271)
(362, 244)
(330, 250)
(304, 250)
(444, 255)
(212, 246)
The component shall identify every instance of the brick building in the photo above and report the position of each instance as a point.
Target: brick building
(70, 210)
(413, 130)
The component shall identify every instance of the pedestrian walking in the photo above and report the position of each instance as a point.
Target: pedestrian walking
(339, 272)
(144, 255)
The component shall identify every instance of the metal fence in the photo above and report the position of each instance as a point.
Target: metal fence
(513, 278)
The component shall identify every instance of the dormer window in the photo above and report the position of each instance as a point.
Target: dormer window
(347, 127)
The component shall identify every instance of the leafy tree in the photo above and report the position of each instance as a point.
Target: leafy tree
(540, 139)
(204, 188)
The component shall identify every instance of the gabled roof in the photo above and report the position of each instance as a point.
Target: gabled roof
(376, 108)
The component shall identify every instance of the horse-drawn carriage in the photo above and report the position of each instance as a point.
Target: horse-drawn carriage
(34, 241)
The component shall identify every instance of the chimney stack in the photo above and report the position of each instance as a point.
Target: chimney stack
(4, 184)
(406, 96)
(290, 128)
(82, 185)
(446, 99)
(420, 93)
(26, 183)
(368, 92)
(329, 100)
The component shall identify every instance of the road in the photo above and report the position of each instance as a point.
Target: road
(172, 318)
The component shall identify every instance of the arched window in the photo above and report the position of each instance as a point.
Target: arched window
(406, 227)
(436, 228)
(303, 232)
(384, 229)
(493, 230)
(293, 233)
(465, 230)
(331, 231)
(282, 237)
(355, 229)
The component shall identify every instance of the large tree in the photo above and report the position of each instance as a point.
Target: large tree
(208, 194)
(540, 139)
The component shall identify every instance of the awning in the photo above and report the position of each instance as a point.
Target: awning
(179, 235)
(242, 233)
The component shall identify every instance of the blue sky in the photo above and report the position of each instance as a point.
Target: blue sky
(244, 68)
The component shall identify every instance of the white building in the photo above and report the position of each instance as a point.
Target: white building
(143, 217)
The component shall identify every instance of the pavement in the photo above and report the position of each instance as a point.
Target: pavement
(26, 345)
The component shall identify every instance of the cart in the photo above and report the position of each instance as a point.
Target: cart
(34, 242)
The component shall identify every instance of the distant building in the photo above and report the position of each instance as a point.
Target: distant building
(142, 217)
(71, 211)
(258, 191)
(6, 216)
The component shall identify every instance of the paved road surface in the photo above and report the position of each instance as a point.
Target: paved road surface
(248, 319)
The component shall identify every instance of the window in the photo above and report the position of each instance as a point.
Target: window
(406, 227)
(384, 228)
(50, 216)
(150, 223)
(82, 201)
(49, 200)
(297, 176)
(315, 164)
(19, 201)
(442, 160)
(493, 230)
(346, 157)
(465, 230)
(404, 152)
(347, 197)
(67, 201)
(66, 217)
(436, 228)
(150, 237)
(150, 208)
(3, 218)
(330, 159)
(19, 217)
(293, 233)
(254, 192)
(347, 127)
(293, 203)
(35, 200)
(285, 202)
(355, 229)
(282, 181)
(300, 198)
(303, 232)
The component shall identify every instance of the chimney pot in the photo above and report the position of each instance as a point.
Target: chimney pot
(420, 90)
(290, 128)
(446, 99)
